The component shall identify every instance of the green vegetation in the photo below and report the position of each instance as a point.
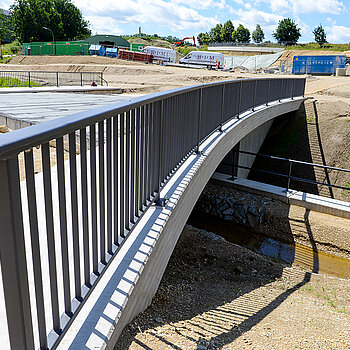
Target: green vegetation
(184, 50)
(242, 34)
(320, 35)
(11, 82)
(63, 18)
(346, 192)
(5, 26)
(287, 31)
(149, 38)
(258, 34)
(315, 46)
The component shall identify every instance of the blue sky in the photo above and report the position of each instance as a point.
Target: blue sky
(189, 17)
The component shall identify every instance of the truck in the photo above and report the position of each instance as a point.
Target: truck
(205, 58)
(161, 53)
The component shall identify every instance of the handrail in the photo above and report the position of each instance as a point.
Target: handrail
(128, 151)
(20, 140)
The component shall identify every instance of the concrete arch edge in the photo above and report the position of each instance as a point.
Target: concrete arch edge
(134, 274)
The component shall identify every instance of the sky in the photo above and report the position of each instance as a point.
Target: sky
(184, 18)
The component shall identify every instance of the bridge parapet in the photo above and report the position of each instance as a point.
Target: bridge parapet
(62, 227)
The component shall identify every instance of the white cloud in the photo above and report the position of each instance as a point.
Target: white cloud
(318, 6)
(280, 6)
(268, 21)
(170, 15)
(338, 34)
(306, 6)
(104, 25)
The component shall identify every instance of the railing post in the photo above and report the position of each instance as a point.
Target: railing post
(57, 81)
(81, 78)
(199, 119)
(289, 173)
(254, 101)
(222, 107)
(101, 77)
(29, 79)
(281, 90)
(240, 98)
(160, 201)
(292, 92)
(13, 258)
(268, 93)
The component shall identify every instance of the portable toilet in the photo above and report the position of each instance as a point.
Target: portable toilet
(98, 50)
(112, 52)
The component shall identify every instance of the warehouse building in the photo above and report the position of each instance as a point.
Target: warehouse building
(108, 41)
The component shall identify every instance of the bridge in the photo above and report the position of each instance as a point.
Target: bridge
(93, 204)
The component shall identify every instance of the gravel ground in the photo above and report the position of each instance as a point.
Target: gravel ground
(217, 295)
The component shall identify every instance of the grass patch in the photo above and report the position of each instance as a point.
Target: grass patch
(346, 192)
(317, 47)
(184, 50)
(13, 82)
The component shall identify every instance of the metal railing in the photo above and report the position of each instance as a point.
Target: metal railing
(288, 176)
(63, 225)
(40, 78)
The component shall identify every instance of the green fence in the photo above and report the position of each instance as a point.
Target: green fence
(60, 48)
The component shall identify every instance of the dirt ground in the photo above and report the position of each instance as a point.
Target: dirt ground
(217, 295)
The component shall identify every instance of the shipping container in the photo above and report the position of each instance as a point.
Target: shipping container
(137, 47)
(112, 52)
(60, 48)
(97, 50)
(134, 56)
(320, 65)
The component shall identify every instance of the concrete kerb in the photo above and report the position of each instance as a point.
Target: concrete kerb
(307, 200)
(123, 291)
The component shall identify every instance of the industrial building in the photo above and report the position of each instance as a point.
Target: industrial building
(108, 41)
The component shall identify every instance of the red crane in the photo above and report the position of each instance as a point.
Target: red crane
(178, 43)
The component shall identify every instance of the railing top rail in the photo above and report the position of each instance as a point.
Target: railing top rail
(46, 71)
(22, 139)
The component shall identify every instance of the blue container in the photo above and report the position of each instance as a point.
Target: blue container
(323, 65)
(98, 50)
(112, 52)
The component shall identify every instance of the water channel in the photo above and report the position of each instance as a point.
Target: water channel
(295, 255)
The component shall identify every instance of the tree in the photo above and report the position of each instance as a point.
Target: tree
(203, 38)
(287, 31)
(215, 33)
(242, 34)
(320, 35)
(5, 26)
(61, 16)
(258, 34)
(227, 31)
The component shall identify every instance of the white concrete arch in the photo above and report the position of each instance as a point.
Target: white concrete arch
(133, 276)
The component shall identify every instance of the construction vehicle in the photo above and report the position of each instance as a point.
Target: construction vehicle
(179, 43)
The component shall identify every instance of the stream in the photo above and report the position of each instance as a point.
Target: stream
(293, 254)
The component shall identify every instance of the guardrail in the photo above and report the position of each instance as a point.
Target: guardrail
(42, 78)
(288, 176)
(65, 224)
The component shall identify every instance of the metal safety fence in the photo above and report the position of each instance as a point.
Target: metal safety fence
(87, 180)
(40, 78)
